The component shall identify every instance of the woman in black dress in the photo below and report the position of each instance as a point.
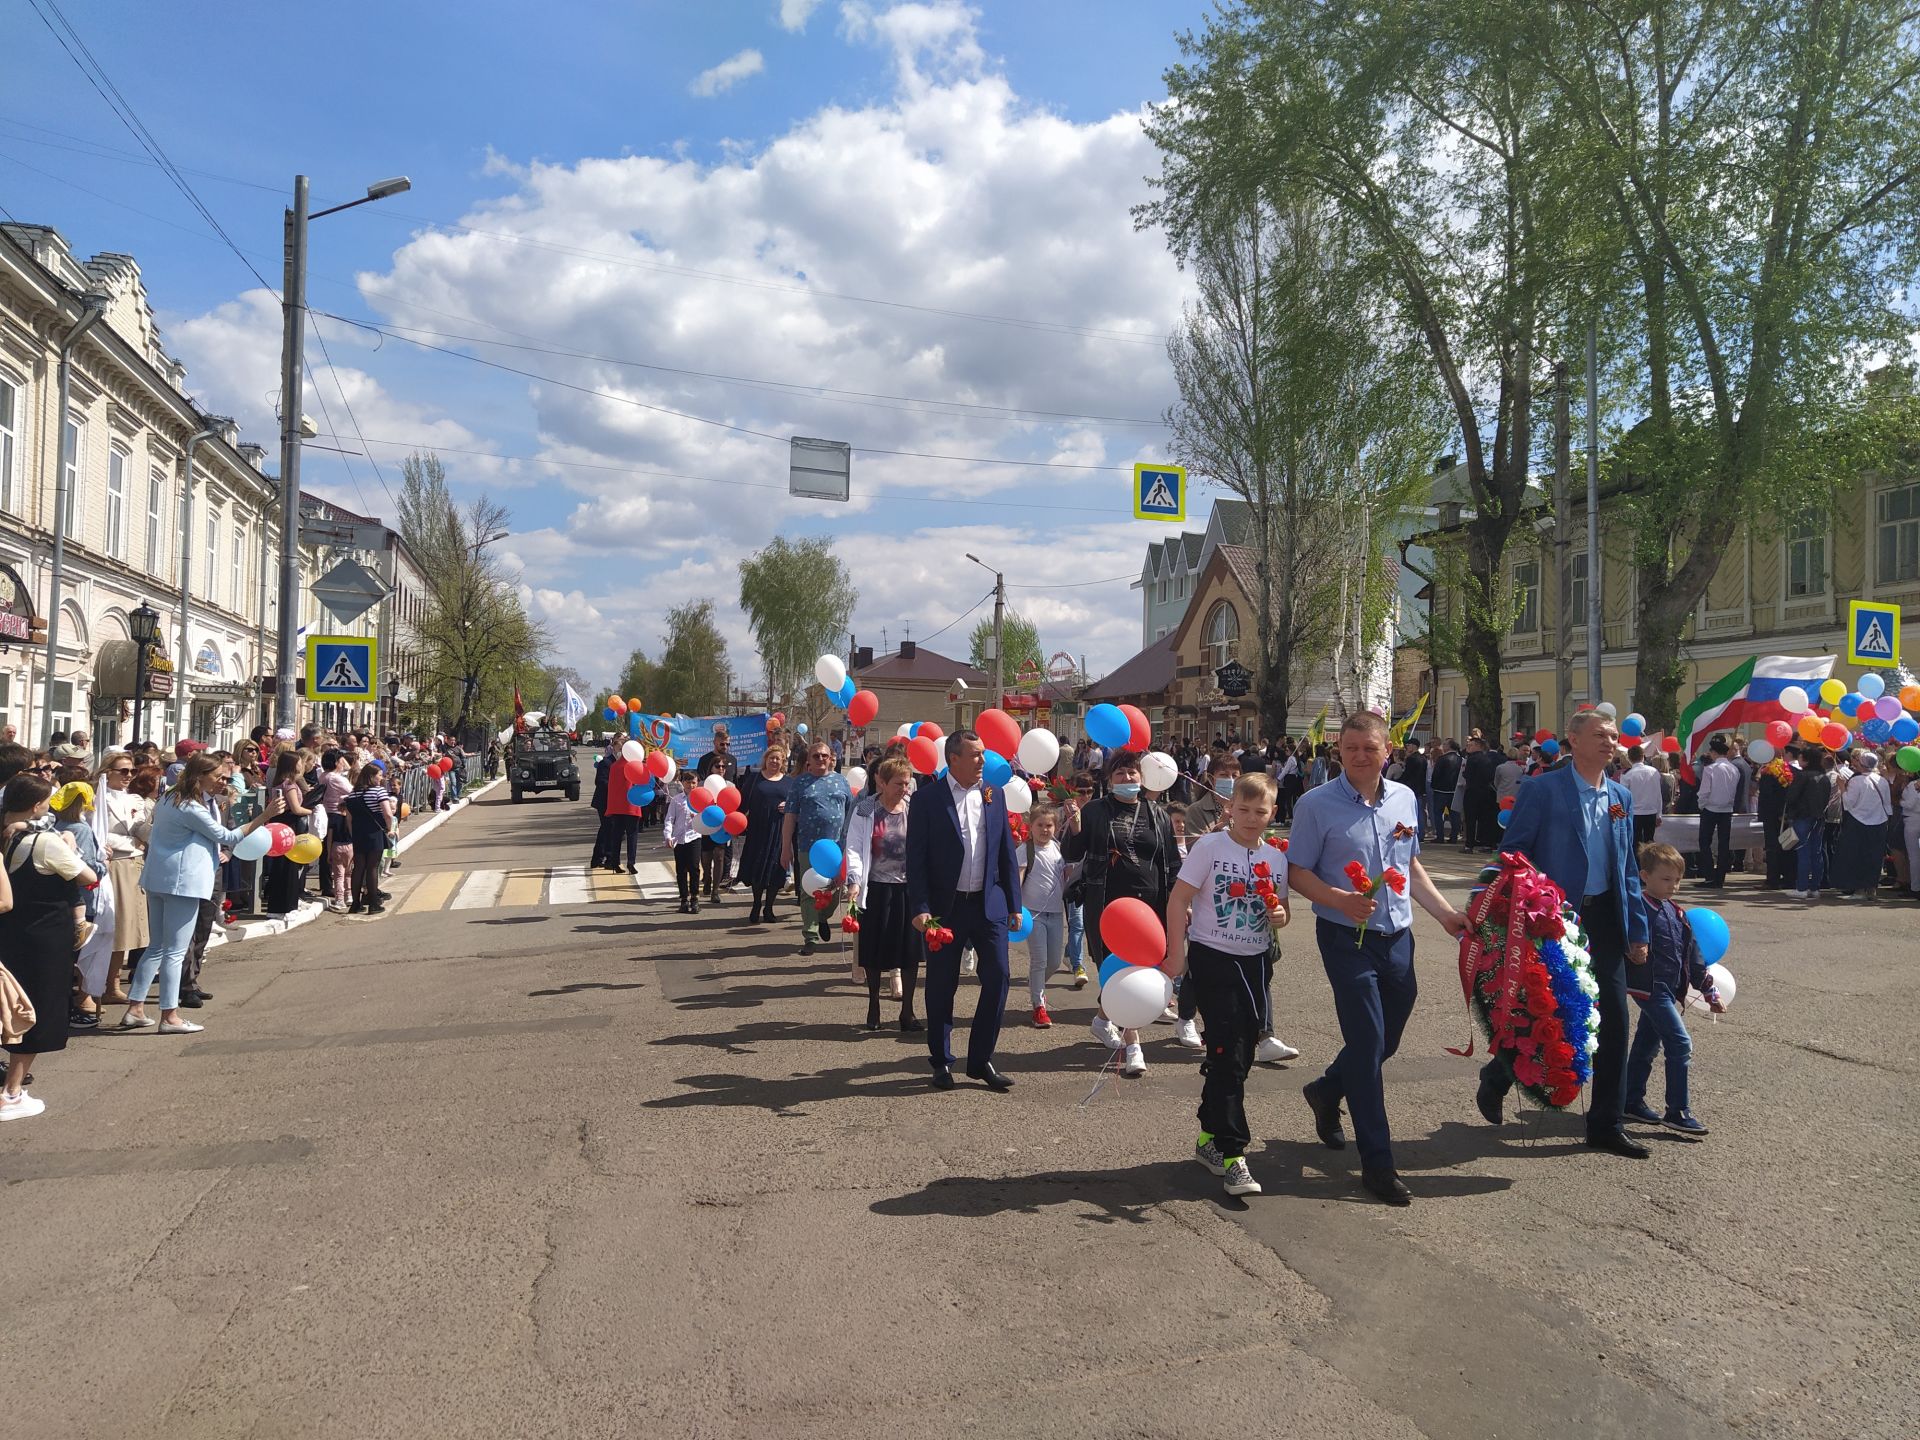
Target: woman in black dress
(1128, 847)
(763, 800)
(43, 874)
(285, 880)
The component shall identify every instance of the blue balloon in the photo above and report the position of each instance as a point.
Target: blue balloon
(802, 727)
(1871, 686)
(941, 773)
(1108, 728)
(1710, 933)
(1633, 727)
(1549, 748)
(1877, 730)
(713, 817)
(611, 713)
(1850, 703)
(1024, 928)
(639, 794)
(1505, 816)
(1906, 729)
(1110, 967)
(825, 858)
(997, 769)
(845, 693)
(914, 728)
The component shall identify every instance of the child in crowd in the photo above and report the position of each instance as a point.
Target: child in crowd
(1044, 879)
(1660, 987)
(72, 807)
(1230, 896)
(682, 836)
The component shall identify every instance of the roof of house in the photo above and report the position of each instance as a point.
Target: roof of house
(1236, 520)
(1162, 554)
(923, 667)
(1148, 673)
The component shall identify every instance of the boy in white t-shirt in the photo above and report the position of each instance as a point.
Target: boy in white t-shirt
(1229, 897)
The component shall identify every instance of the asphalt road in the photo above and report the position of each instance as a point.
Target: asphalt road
(527, 1157)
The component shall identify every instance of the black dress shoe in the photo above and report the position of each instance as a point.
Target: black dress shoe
(1488, 1101)
(1326, 1116)
(873, 1014)
(943, 1079)
(189, 1000)
(911, 1023)
(991, 1078)
(1386, 1185)
(203, 994)
(1617, 1142)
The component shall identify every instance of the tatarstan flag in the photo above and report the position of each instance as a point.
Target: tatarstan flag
(1749, 694)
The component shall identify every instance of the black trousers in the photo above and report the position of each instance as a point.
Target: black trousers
(888, 941)
(1607, 944)
(967, 918)
(1644, 828)
(602, 842)
(1782, 867)
(1483, 819)
(1229, 990)
(366, 873)
(686, 869)
(1715, 825)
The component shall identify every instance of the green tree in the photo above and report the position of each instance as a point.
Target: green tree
(693, 677)
(1019, 635)
(1752, 173)
(1423, 127)
(798, 600)
(475, 639)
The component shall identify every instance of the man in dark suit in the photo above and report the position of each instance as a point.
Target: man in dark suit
(963, 873)
(1482, 802)
(1576, 826)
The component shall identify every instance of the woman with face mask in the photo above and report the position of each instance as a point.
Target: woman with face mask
(1127, 846)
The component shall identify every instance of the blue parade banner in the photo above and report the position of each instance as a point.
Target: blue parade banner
(688, 737)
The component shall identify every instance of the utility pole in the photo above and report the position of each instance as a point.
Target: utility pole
(1562, 543)
(293, 310)
(183, 667)
(999, 630)
(1595, 692)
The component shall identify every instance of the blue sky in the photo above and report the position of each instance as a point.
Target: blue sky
(579, 189)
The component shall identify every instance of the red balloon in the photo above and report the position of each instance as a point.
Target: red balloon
(1140, 735)
(779, 717)
(1130, 929)
(619, 705)
(862, 708)
(282, 838)
(998, 731)
(923, 754)
(1779, 733)
(728, 799)
(1834, 736)
(656, 764)
(1540, 735)
(931, 730)
(736, 821)
(1670, 744)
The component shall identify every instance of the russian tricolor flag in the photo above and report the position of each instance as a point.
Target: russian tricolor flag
(1749, 694)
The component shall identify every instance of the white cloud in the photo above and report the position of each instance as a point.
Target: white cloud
(728, 73)
(794, 14)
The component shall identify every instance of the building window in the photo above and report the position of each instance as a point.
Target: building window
(73, 444)
(1163, 590)
(1525, 718)
(213, 553)
(9, 408)
(238, 567)
(1223, 634)
(117, 503)
(1578, 603)
(156, 507)
(1898, 529)
(61, 720)
(1526, 597)
(6, 697)
(1807, 559)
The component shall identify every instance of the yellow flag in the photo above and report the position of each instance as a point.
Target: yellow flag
(1400, 729)
(1317, 731)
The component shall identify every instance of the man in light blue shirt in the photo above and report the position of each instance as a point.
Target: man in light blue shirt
(1366, 941)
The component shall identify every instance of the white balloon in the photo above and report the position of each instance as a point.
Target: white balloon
(830, 671)
(715, 783)
(1136, 995)
(1039, 752)
(813, 880)
(1158, 770)
(857, 779)
(1761, 751)
(1793, 700)
(1019, 796)
(1722, 982)
(632, 753)
(701, 825)
(672, 767)
(1606, 708)
(905, 726)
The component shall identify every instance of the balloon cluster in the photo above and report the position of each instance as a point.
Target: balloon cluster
(1878, 716)
(861, 705)
(1133, 987)
(715, 802)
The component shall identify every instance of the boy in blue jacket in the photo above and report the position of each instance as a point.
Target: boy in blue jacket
(1660, 988)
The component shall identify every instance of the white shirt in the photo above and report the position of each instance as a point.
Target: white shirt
(126, 812)
(1643, 783)
(1719, 786)
(1868, 798)
(1044, 890)
(971, 806)
(1221, 920)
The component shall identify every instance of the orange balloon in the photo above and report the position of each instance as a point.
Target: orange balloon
(1810, 728)
(1910, 697)
(634, 703)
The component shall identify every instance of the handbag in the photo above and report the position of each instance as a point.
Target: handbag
(1789, 837)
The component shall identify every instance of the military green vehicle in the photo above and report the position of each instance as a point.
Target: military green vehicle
(542, 759)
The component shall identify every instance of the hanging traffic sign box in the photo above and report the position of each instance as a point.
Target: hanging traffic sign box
(341, 667)
(1873, 633)
(1159, 492)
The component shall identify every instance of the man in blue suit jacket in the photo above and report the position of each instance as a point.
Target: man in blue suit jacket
(1576, 826)
(961, 868)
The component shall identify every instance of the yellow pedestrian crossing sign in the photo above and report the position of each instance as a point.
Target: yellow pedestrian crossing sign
(342, 667)
(1873, 633)
(1159, 492)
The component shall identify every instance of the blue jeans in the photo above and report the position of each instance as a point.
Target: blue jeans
(1076, 936)
(1045, 946)
(1662, 1027)
(170, 922)
(1811, 853)
(1373, 994)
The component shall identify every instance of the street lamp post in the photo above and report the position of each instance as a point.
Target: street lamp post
(393, 701)
(293, 306)
(144, 625)
(999, 628)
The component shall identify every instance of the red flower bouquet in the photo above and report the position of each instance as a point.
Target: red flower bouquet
(1369, 885)
(938, 936)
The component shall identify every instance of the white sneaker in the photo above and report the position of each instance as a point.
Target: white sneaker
(1106, 1032)
(1239, 1179)
(1270, 1049)
(20, 1107)
(1187, 1035)
(1208, 1154)
(1135, 1064)
(180, 1027)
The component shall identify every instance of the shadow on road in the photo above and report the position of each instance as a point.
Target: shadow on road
(782, 1095)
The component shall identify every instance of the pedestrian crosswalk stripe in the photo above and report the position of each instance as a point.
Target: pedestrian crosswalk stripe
(655, 881)
(481, 889)
(570, 886)
(612, 885)
(523, 888)
(432, 892)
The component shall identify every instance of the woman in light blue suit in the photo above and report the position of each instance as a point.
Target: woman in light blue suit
(183, 854)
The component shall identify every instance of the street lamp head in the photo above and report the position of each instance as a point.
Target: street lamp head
(381, 189)
(144, 624)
